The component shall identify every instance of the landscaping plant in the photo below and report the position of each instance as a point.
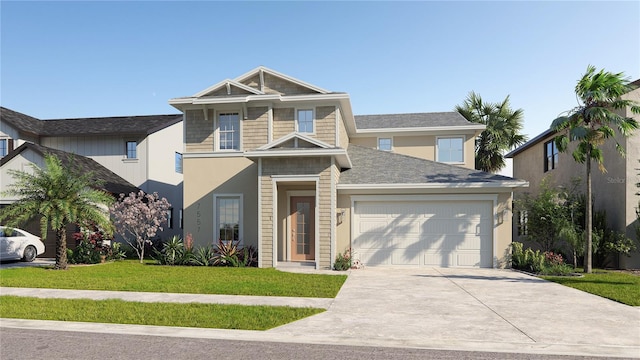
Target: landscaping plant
(590, 124)
(343, 261)
(138, 217)
(548, 263)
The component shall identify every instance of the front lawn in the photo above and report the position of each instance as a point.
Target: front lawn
(618, 286)
(130, 275)
(160, 314)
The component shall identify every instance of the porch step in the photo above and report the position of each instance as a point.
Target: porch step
(296, 264)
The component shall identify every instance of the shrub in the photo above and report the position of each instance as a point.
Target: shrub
(547, 263)
(249, 256)
(227, 253)
(85, 253)
(173, 252)
(343, 261)
(203, 256)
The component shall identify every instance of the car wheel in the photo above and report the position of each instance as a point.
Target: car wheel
(30, 254)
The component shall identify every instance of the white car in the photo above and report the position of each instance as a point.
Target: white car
(16, 244)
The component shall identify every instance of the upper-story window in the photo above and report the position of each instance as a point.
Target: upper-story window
(550, 155)
(131, 147)
(384, 144)
(229, 128)
(4, 147)
(304, 121)
(450, 149)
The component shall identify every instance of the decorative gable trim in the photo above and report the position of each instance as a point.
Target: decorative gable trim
(295, 135)
(228, 83)
(261, 70)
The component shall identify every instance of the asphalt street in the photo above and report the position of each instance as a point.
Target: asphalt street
(17, 344)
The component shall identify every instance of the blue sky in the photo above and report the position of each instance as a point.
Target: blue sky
(89, 59)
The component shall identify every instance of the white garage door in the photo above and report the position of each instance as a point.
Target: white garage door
(423, 233)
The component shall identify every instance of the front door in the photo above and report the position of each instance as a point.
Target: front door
(303, 228)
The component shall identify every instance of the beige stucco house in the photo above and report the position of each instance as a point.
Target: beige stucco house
(283, 165)
(613, 191)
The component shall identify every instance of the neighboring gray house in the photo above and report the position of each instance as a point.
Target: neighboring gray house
(145, 151)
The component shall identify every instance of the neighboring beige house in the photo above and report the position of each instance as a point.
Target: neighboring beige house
(613, 191)
(285, 166)
(145, 151)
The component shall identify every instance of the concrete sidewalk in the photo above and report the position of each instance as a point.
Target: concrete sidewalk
(450, 309)
(169, 298)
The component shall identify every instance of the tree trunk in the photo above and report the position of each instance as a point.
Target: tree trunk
(589, 219)
(61, 249)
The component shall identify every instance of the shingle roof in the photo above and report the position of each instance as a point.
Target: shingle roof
(434, 119)
(109, 125)
(89, 126)
(21, 121)
(111, 181)
(372, 166)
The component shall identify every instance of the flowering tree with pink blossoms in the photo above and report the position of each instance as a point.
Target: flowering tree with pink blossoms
(138, 217)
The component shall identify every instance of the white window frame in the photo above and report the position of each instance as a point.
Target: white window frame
(126, 150)
(218, 131)
(390, 138)
(216, 222)
(450, 137)
(176, 162)
(313, 120)
(6, 147)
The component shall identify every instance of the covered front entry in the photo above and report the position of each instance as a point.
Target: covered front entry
(296, 226)
(436, 232)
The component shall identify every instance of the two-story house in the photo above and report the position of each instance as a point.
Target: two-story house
(283, 165)
(613, 191)
(143, 151)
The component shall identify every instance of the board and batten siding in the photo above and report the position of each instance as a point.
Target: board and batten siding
(108, 151)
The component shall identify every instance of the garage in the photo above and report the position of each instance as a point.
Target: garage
(441, 233)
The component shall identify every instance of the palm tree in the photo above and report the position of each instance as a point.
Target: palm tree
(590, 124)
(59, 195)
(502, 132)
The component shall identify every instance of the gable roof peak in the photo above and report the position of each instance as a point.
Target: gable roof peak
(266, 70)
(295, 135)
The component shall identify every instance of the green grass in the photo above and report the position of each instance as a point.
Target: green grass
(133, 276)
(618, 286)
(161, 314)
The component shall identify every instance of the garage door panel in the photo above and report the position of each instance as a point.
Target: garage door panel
(406, 241)
(438, 242)
(474, 259)
(370, 226)
(405, 257)
(424, 233)
(371, 241)
(475, 243)
(376, 257)
(440, 259)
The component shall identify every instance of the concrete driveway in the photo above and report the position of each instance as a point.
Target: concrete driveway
(17, 264)
(474, 309)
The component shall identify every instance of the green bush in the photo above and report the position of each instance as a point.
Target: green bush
(203, 256)
(173, 252)
(343, 261)
(547, 263)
